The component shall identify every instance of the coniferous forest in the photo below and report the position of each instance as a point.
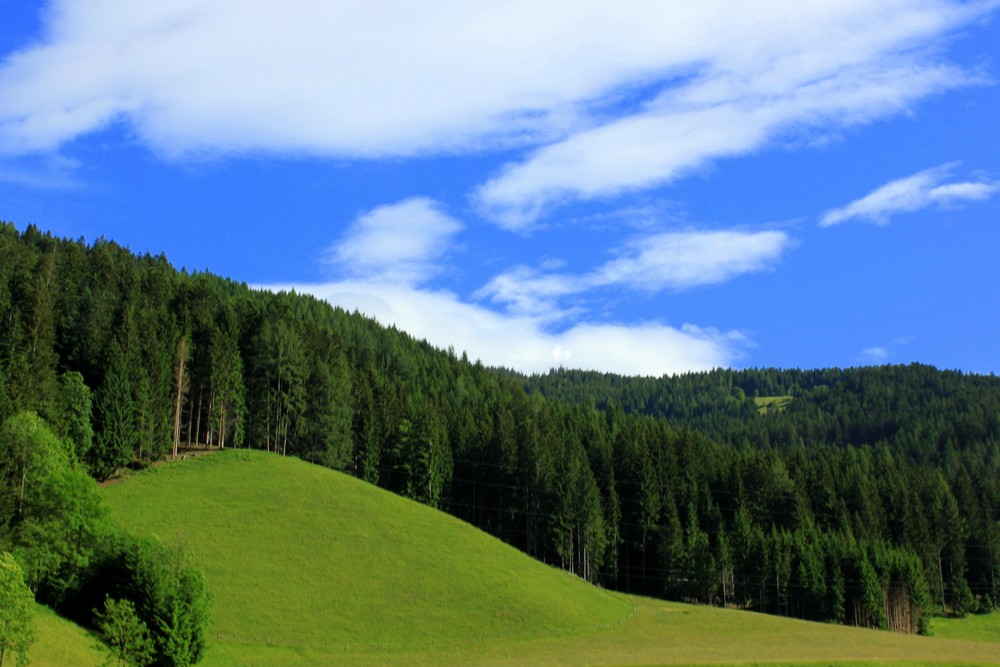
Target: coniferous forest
(866, 496)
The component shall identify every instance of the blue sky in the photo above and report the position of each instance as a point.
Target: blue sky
(634, 187)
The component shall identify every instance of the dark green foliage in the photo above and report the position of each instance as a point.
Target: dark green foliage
(857, 496)
(172, 599)
(117, 439)
(72, 415)
(167, 592)
(125, 636)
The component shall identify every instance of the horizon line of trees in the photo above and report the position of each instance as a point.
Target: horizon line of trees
(871, 498)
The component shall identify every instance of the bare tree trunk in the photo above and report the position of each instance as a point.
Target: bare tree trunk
(284, 435)
(197, 428)
(277, 414)
(211, 418)
(190, 423)
(944, 605)
(222, 428)
(181, 354)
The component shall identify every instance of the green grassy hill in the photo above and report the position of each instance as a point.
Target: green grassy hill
(61, 643)
(981, 628)
(309, 566)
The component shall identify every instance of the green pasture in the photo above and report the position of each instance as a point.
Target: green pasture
(767, 404)
(312, 567)
(977, 627)
(61, 643)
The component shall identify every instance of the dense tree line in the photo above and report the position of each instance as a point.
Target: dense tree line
(916, 410)
(869, 498)
(53, 527)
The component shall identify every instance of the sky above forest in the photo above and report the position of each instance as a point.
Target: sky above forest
(632, 187)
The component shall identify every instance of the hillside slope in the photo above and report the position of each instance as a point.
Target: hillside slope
(309, 566)
(61, 642)
(300, 556)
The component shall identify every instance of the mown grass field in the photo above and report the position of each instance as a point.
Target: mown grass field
(312, 567)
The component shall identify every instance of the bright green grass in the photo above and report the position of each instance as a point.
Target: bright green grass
(298, 555)
(311, 567)
(980, 628)
(768, 403)
(61, 643)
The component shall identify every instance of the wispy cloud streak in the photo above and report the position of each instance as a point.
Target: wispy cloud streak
(921, 190)
(669, 261)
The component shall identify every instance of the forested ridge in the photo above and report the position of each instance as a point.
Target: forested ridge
(870, 497)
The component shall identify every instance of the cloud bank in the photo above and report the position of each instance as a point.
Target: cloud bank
(584, 100)
(921, 190)
(388, 254)
(608, 97)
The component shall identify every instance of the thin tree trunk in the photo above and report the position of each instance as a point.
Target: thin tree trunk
(197, 428)
(211, 418)
(284, 436)
(181, 354)
(20, 498)
(944, 606)
(222, 429)
(190, 422)
(277, 414)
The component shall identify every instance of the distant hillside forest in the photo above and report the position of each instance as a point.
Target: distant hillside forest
(864, 496)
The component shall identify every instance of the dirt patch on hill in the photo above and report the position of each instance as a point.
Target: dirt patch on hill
(182, 453)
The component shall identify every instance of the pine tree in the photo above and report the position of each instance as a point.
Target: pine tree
(123, 633)
(117, 438)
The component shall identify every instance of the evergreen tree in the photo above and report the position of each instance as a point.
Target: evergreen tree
(123, 633)
(117, 438)
(73, 413)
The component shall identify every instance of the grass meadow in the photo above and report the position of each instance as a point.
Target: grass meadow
(980, 628)
(61, 643)
(312, 567)
(767, 404)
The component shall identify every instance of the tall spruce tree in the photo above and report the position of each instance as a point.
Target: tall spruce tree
(117, 438)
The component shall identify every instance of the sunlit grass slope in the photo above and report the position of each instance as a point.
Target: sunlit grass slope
(61, 643)
(298, 555)
(311, 567)
(982, 628)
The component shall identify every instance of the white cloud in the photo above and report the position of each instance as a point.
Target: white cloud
(665, 261)
(395, 77)
(679, 260)
(921, 190)
(881, 354)
(390, 250)
(396, 243)
(525, 291)
(828, 69)
(522, 343)
(875, 355)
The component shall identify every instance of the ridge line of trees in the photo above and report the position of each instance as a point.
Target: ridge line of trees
(870, 497)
